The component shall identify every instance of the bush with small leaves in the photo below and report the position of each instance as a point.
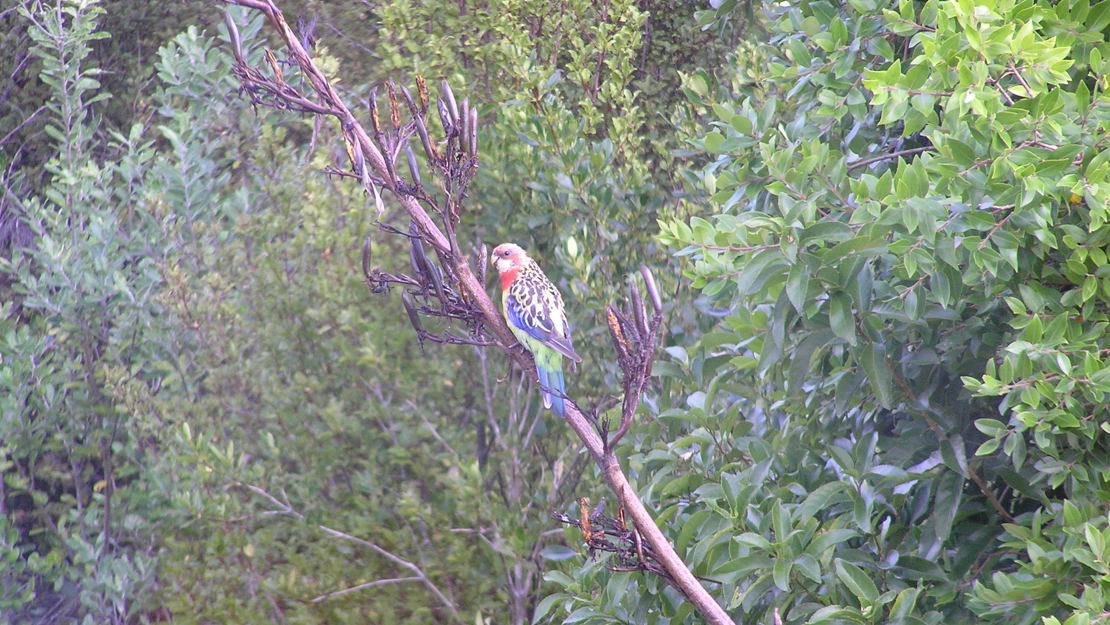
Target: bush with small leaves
(906, 239)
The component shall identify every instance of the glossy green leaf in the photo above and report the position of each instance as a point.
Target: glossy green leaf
(858, 582)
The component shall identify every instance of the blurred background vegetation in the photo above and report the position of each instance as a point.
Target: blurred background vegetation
(881, 231)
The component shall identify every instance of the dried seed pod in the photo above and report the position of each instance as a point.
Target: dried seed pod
(390, 159)
(272, 60)
(464, 123)
(422, 93)
(483, 260)
(452, 106)
(306, 32)
(417, 246)
(618, 335)
(414, 317)
(358, 161)
(233, 35)
(424, 265)
(408, 101)
(416, 253)
(350, 152)
(653, 291)
(584, 518)
(473, 130)
(394, 112)
(437, 280)
(599, 508)
(374, 120)
(378, 203)
(444, 116)
(364, 177)
(366, 258)
(414, 169)
(628, 326)
(639, 313)
(429, 147)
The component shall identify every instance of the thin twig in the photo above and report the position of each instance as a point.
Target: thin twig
(23, 123)
(284, 507)
(943, 437)
(863, 162)
(447, 603)
(339, 593)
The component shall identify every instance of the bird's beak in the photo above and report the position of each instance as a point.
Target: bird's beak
(493, 259)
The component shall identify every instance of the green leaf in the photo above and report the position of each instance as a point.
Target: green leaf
(817, 500)
(557, 552)
(753, 540)
(904, 604)
(988, 447)
(914, 567)
(878, 374)
(858, 582)
(949, 496)
(803, 354)
(780, 572)
(954, 454)
(826, 540)
(841, 319)
(572, 247)
(797, 285)
(757, 270)
(836, 614)
(1096, 541)
(545, 605)
(862, 246)
(990, 427)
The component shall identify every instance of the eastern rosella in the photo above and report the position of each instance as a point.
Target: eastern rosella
(534, 310)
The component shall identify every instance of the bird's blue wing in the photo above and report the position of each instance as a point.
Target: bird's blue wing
(535, 326)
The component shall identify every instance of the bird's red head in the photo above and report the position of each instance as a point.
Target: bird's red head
(509, 258)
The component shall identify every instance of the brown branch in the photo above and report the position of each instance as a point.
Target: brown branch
(338, 593)
(456, 166)
(23, 123)
(348, 122)
(282, 506)
(993, 231)
(882, 157)
(943, 437)
(1017, 74)
(447, 603)
(682, 578)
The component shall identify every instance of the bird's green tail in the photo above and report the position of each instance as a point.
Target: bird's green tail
(553, 389)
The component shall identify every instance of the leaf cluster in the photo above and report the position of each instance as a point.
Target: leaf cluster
(908, 201)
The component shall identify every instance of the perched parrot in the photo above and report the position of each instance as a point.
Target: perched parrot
(534, 310)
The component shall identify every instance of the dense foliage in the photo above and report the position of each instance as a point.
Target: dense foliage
(232, 353)
(881, 227)
(909, 222)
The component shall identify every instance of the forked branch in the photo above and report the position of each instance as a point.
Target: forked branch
(284, 507)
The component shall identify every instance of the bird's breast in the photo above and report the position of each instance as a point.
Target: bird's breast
(508, 277)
